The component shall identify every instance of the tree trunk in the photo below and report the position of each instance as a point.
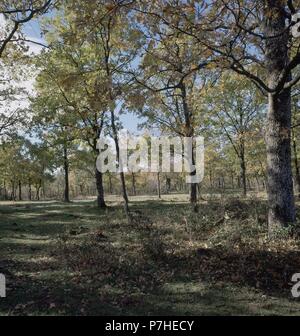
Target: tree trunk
(168, 185)
(29, 190)
(278, 130)
(257, 183)
(5, 191)
(223, 183)
(297, 170)
(249, 183)
(243, 173)
(264, 180)
(38, 188)
(13, 191)
(280, 182)
(158, 186)
(100, 190)
(66, 169)
(193, 189)
(133, 184)
(188, 116)
(238, 179)
(20, 190)
(122, 175)
(193, 193)
(232, 180)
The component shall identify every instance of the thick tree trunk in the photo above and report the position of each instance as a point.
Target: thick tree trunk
(193, 193)
(278, 137)
(297, 170)
(100, 190)
(279, 169)
(66, 169)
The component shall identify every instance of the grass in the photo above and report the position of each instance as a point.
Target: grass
(77, 260)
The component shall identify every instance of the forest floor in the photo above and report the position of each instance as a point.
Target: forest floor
(74, 259)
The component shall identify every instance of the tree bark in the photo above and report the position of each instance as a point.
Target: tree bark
(193, 193)
(168, 185)
(188, 116)
(29, 190)
(158, 186)
(193, 189)
(20, 190)
(13, 191)
(38, 189)
(296, 163)
(122, 175)
(278, 130)
(5, 191)
(211, 179)
(257, 183)
(238, 179)
(66, 169)
(232, 180)
(279, 177)
(243, 172)
(133, 184)
(99, 183)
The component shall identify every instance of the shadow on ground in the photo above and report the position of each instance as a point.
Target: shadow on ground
(78, 260)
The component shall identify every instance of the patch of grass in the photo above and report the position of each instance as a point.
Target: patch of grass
(75, 259)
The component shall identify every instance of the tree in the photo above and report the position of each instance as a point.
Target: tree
(84, 66)
(295, 136)
(237, 111)
(52, 122)
(170, 77)
(13, 97)
(254, 39)
(75, 82)
(16, 14)
(103, 49)
(25, 163)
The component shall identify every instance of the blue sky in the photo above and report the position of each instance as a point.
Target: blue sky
(32, 29)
